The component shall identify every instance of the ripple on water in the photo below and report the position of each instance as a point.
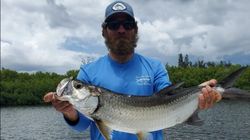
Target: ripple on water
(227, 120)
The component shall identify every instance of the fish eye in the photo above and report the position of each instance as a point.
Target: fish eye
(78, 85)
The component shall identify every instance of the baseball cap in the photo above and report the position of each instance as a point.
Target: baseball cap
(118, 7)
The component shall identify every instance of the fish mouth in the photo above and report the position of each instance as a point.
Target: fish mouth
(63, 87)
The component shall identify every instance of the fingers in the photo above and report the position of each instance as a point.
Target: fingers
(48, 97)
(202, 102)
(211, 83)
(218, 96)
(208, 96)
(208, 99)
(66, 108)
(62, 106)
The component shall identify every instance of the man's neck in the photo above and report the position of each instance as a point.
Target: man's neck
(121, 58)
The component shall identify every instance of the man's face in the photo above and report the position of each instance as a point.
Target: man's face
(120, 34)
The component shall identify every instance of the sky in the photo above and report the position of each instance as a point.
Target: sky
(60, 35)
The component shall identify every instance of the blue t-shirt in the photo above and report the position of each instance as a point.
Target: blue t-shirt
(139, 76)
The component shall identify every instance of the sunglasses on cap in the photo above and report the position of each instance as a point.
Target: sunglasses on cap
(115, 25)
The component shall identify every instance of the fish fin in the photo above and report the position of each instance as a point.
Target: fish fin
(105, 131)
(230, 79)
(195, 119)
(144, 136)
(168, 90)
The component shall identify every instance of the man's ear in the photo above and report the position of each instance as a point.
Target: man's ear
(136, 30)
(136, 27)
(104, 31)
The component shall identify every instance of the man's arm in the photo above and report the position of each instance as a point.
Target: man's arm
(62, 106)
(161, 78)
(75, 119)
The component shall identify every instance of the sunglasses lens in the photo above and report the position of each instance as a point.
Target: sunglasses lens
(128, 25)
(114, 25)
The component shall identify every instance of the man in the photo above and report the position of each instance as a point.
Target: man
(123, 71)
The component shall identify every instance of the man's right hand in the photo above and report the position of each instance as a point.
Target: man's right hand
(62, 106)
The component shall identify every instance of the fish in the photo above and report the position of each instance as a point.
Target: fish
(137, 114)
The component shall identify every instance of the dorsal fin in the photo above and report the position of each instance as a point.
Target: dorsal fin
(168, 90)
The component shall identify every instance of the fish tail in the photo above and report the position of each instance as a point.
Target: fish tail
(230, 79)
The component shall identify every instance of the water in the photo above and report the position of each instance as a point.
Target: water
(228, 120)
(36, 123)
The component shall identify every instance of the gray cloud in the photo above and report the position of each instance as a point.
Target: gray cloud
(58, 16)
(209, 29)
(82, 45)
(56, 35)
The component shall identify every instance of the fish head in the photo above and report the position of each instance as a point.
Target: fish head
(64, 88)
(74, 89)
(82, 96)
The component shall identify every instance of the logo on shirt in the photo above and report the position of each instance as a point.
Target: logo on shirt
(143, 80)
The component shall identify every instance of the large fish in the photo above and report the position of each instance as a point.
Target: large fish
(137, 114)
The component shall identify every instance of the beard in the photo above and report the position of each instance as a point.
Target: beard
(121, 46)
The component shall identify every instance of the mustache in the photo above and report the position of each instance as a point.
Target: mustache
(121, 46)
(121, 40)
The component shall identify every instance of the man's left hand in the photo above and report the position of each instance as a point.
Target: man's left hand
(208, 96)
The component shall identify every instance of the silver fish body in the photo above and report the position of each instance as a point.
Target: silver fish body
(135, 114)
(131, 114)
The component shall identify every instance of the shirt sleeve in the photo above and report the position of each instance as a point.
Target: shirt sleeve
(81, 124)
(82, 75)
(161, 78)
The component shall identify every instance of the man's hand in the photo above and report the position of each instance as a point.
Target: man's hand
(208, 96)
(62, 106)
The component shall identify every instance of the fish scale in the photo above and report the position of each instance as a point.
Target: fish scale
(132, 119)
(134, 114)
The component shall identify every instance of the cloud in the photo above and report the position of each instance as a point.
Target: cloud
(57, 36)
(58, 16)
(36, 37)
(205, 29)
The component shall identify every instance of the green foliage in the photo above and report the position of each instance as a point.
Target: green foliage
(29, 89)
(192, 76)
(72, 73)
(25, 88)
(184, 62)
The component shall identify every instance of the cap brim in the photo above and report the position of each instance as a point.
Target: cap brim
(118, 12)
